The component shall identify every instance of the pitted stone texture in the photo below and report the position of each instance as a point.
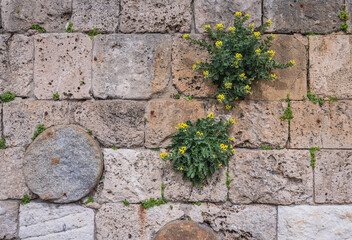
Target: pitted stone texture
(131, 174)
(142, 224)
(332, 176)
(12, 182)
(314, 222)
(155, 16)
(113, 123)
(305, 16)
(16, 63)
(63, 164)
(292, 80)
(211, 12)
(330, 60)
(20, 15)
(349, 10)
(164, 115)
(329, 126)
(237, 222)
(39, 220)
(271, 176)
(131, 66)
(21, 119)
(8, 219)
(102, 15)
(189, 82)
(187, 230)
(62, 64)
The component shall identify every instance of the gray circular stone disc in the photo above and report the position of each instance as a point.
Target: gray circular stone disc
(63, 164)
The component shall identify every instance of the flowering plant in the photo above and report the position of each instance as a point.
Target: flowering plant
(199, 150)
(237, 57)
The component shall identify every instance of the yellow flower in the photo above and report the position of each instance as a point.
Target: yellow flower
(239, 56)
(198, 132)
(269, 22)
(251, 25)
(201, 134)
(185, 36)
(163, 155)
(211, 115)
(228, 85)
(293, 62)
(257, 34)
(221, 97)
(232, 121)
(198, 62)
(220, 165)
(273, 76)
(247, 15)
(228, 107)
(176, 128)
(272, 35)
(206, 26)
(232, 139)
(220, 26)
(194, 67)
(247, 87)
(184, 148)
(222, 145)
(181, 151)
(206, 73)
(236, 64)
(232, 28)
(243, 76)
(233, 150)
(271, 52)
(181, 169)
(258, 51)
(238, 14)
(218, 44)
(214, 156)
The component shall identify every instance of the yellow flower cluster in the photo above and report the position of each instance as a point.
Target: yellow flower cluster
(269, 22)
(221, 97)
(232, 28)
(182, 150)
(258, 51)
(238, 14)
(220, 164)
(206, 27)
(272, 53)
(239, 56)
(199, 133)
(220, 26)
(232, 139)
(272, 35)
(228, 85)
(181, 125)
(181, 169)
(233, 150)
(248, 16)
(243, 76)
(194, 67)
(228, 107)
(273, 76)
(257, 34)
(185, 36)
(223, 147)
(236, 64)
(206, 73)
(293, 62)
(163, 155)
(232, 121)
(211, 115)
(248, 88)
(218, 44)
(251, 25)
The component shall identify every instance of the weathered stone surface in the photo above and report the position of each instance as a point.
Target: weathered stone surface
(314, 222)
(155, 16)
(187, 230)
(271, 176)
(330, 60)
(291, 80)
(20, 15)
(16, 63)
(12, 182)
(332, 176)
(305, 16)
(238, 222)
(62, 64)
(131, 66)
(349, 10)
(63, 164)
(21, 119)
(258, 123)
(164, 115)
(189, 82)
(142, 223)
(102, 15)
(113, 123)
(8, 219)
(51, 221)
(329, 126)
(211, 12)
(131, 174)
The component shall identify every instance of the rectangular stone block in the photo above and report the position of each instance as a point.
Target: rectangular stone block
(292, 80)
(271, 176)
(102, 15)
(12, 182)
(237, 221)
(8, 219)
(21, 119)
(330, 70)
(163, 115)
(304, 16)
(63, 64)
(211, 12)
(113, 123)
(349, 11)
(329, 126)
(332, 176)
(16, 63)
(20, 15)
(314, 222)
(131, 66)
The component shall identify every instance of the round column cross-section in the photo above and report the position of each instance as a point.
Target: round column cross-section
(63, 164)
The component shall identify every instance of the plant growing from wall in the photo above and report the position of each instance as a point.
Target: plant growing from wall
(199, 150)
(8, 97)
(312, 155)
(93, 33)
(314, 99)
(3, 143)
(56, 96)
(39, 28)
(69, 27)
(41, 128)
(288, 115)
(344, 17)
(26, 199)
(237, 57)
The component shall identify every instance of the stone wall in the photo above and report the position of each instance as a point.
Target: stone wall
(121, 85)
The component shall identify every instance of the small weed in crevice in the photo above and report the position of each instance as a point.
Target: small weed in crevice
(39, 28)
(266, 147)
(333, 99)
(343, 17)
(280, 148)
(17, 11)
(189, 98)
(41, 128)
(228, 180)
(162, 189)
(69, 27)
(177, 96)
(198, 203)
(153, 202)
(3, 143)
(93, 33)
(313, 98)
(114, 148)
(26, 199)
(145, 120)
(203, 213)
(156, 149)
(8, 97)
(90, 132)
(171, 207)
(56, 96)
(312, 155)
(90, 200)
(126, 202)
(288, 115)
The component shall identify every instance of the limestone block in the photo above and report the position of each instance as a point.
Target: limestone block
(135, 175)
(291, 80)
(62, 64)
(102, 15)
(330, 60)
(271, 176)
(332, 176)
(20, 15)
(113, 123)
(349, 10)
(155, 16)
(314, 222)
(237, 221)
(305, 16)
(16, 63)
(8, 219)
(211, 12)
(38, 220)
(164, 115)
(329, 126)
(131, 66)
(21, 119)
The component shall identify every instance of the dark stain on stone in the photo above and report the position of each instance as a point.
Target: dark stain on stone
(318, 121)
(95, 59)
(55, 161)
